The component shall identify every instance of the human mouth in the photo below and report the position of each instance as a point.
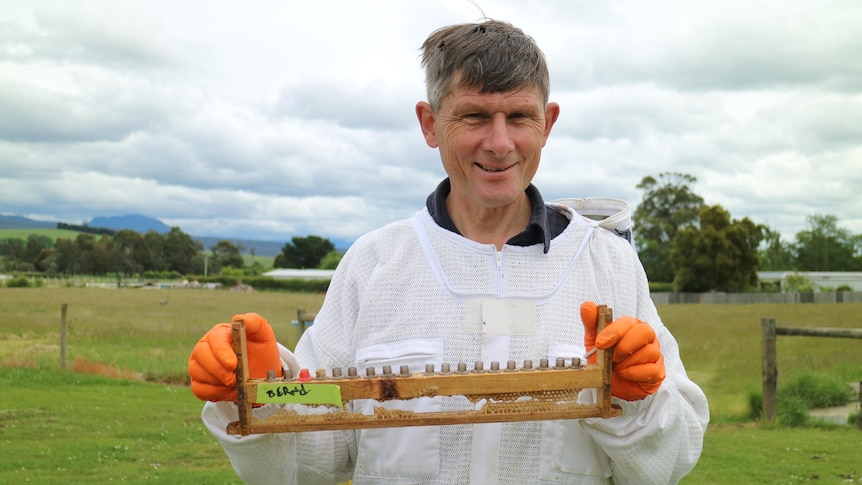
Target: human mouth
(493, 169)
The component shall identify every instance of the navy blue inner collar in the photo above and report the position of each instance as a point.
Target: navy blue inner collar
(545, 222)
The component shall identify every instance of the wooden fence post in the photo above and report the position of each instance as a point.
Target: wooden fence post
(63, 308)
(770, 369)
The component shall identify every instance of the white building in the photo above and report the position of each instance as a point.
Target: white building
(822, 280)
(301, 274)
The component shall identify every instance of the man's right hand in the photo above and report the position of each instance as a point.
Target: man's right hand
(212, 365)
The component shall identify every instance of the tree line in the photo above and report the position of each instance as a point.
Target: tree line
(130, 253)
(125, 252)
(698, 247)
(681, 241)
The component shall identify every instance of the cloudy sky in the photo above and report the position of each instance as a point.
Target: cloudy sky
(270, 119)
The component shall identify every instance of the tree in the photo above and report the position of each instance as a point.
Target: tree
(668, 205)
(32, 250)
(303, 252)
(153, 258)
(331, 260)
(68, 260)
(227, 254)
(776, 254)
(128, 251)
(13, 247)
(36, 244)
(720, 255)
(101, 256)
(824, 246)
(85, 245)
(179, 249)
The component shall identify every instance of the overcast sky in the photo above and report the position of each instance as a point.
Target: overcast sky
(272, 119)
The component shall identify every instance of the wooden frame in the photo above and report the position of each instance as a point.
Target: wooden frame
(547, 391)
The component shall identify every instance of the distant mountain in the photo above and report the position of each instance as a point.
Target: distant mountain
(135, 222)
(144, 224)
(18, 222)
(261, 248)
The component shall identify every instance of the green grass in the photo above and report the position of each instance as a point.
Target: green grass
(143, 425)
(768, 455)
(54, 234)
(720, 345)
(72, 428)
(144, 331)
(265, 261)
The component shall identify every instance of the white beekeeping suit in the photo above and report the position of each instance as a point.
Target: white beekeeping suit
(414, 293)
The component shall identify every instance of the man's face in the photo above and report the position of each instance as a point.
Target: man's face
(490, 143)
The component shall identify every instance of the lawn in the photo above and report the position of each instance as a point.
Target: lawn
(121, 411)
(75, 428)
(54, 234)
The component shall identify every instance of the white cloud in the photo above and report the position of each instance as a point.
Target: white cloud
(275, 119)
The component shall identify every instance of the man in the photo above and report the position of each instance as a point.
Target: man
(487, 271)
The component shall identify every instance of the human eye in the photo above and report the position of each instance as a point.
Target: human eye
(474, 117)
(521, 115)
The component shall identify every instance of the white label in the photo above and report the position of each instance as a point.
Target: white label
(496, 316)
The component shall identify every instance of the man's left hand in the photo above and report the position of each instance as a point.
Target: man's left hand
(638, 364)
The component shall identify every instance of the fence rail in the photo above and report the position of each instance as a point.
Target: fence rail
(742, 298)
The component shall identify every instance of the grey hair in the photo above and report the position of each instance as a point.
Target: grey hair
(492, 55)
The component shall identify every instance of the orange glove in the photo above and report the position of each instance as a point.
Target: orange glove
(638, 364)
(212, 365)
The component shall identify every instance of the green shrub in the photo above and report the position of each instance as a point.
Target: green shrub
(798, 283)
(792, 412)
(269, 283)
(19, 282)
(855, 419)
(163, 275)
(231, 272)
(816, 391)
(660, 287)
(803, 392)
(755, 406)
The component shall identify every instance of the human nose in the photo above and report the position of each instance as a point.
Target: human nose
(499, 140)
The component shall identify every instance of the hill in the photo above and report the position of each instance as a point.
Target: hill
(261, 248)
(135, 222)
(18, 222)
(143, 224)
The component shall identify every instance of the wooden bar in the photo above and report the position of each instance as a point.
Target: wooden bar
(548, 391)
(418, 384)
(820, 332)
(291, 422)
(604, 359)
(240, 347)
(769, 368)
(63, 330)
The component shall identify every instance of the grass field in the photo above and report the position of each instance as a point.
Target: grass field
(54, 234)
(142, 424)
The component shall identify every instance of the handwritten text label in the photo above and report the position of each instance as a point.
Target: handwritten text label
(299, 393)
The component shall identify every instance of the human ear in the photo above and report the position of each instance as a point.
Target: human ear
(427, 121)
(552, 112)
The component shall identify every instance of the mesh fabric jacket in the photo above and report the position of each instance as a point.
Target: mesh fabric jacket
(413, 293)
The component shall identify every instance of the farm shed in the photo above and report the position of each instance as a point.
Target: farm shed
(301, 274)
(820, 279)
